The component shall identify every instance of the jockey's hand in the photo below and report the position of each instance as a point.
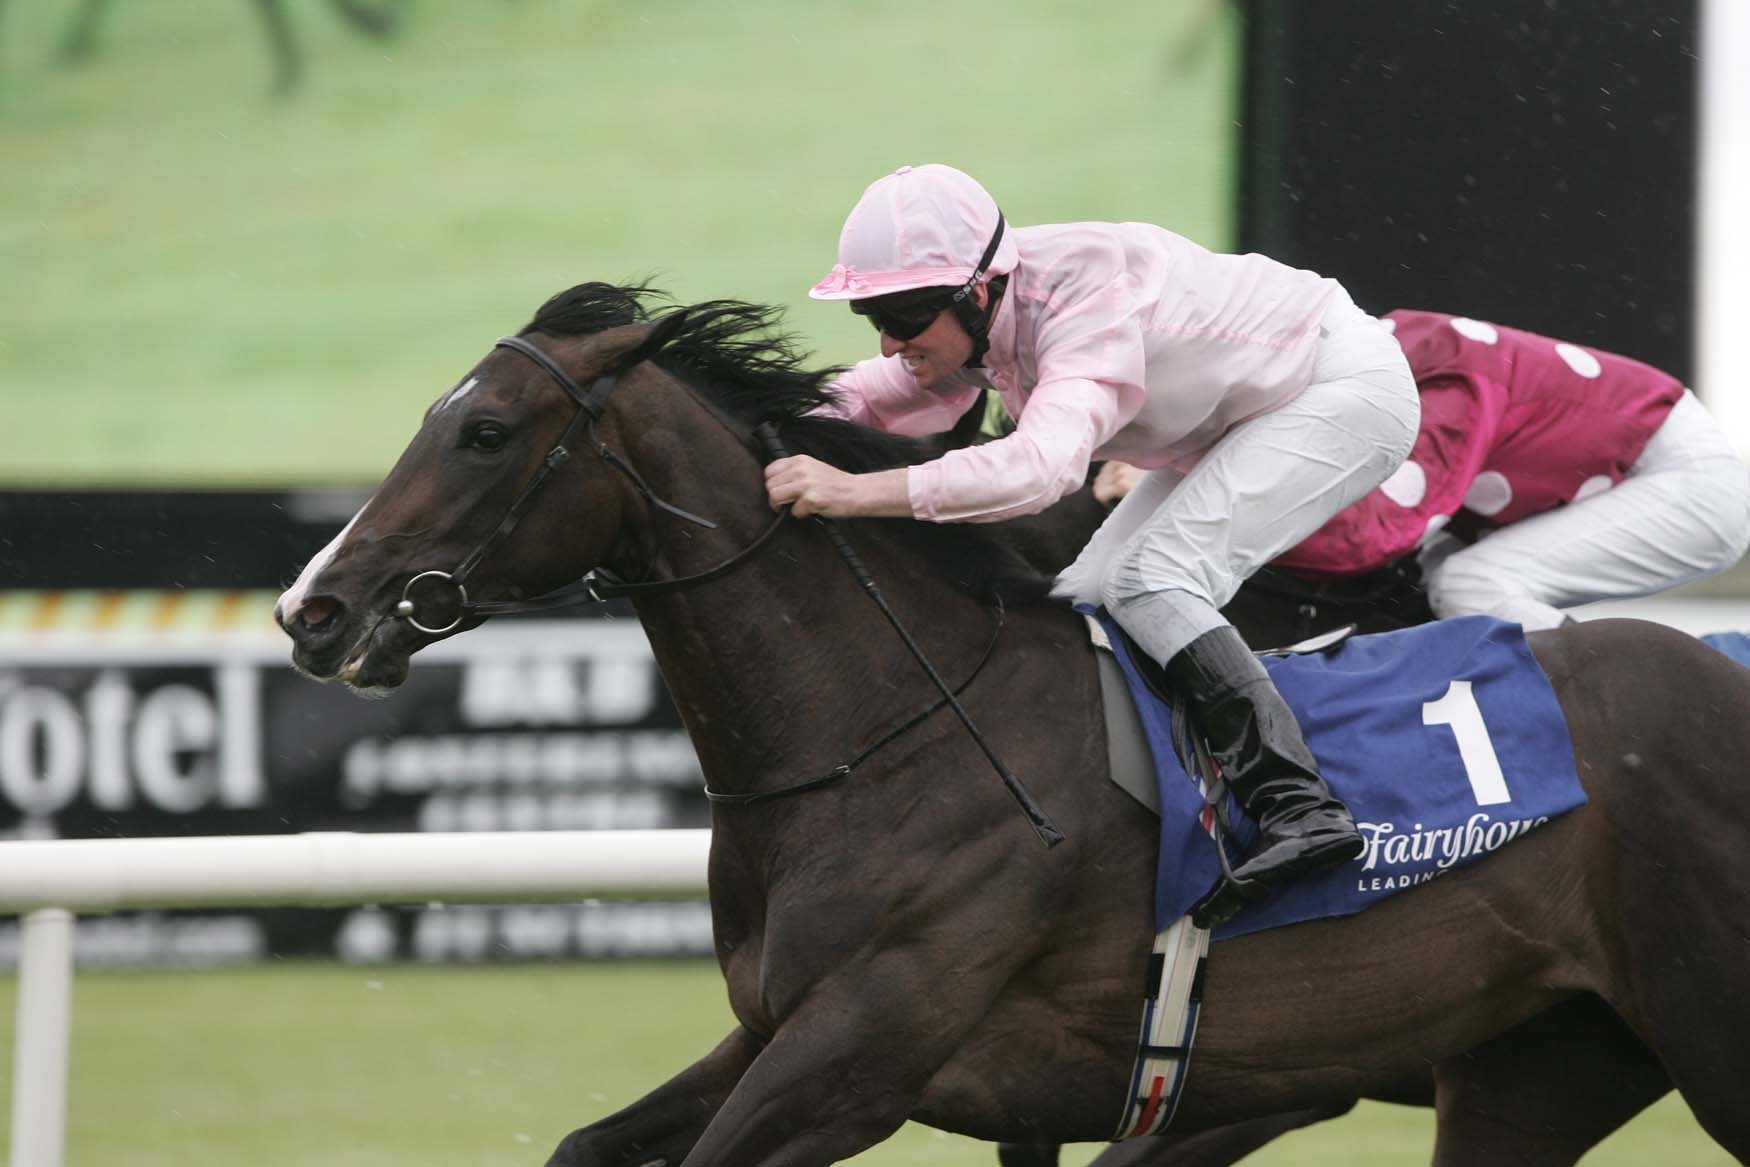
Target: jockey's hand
(1114, 481)
(812, 487)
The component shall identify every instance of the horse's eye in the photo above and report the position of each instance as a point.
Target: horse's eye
(487, 437)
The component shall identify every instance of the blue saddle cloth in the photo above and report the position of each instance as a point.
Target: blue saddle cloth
(1734, 644)
(1445, 740)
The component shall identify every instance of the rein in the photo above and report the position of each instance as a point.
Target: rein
(1036, 818)
(601, 585)
(843, 769)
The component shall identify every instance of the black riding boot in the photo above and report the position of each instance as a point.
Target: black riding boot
(1302, 827)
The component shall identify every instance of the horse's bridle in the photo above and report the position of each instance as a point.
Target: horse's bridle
(599, 584)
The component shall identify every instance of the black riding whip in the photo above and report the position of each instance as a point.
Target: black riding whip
(767, 433)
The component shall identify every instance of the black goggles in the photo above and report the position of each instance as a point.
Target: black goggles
(904, 315)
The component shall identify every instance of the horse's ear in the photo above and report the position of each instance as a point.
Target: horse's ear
(656, 337)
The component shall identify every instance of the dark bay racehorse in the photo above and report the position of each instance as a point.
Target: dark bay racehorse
(896, 943)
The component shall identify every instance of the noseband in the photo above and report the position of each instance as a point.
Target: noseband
(598, 585)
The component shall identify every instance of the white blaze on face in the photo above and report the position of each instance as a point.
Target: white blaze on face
(459, 392)
(293, 599)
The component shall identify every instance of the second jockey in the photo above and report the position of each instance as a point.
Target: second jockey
(1591, 475)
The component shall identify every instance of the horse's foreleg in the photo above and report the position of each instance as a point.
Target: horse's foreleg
(848, 1066)
(659, 1129)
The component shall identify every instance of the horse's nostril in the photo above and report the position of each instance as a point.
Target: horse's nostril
(318, 613)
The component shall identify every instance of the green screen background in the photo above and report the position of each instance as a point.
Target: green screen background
(203, 285)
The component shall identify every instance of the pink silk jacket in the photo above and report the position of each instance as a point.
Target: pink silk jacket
(1113, 340)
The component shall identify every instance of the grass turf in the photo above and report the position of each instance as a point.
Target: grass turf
(201, 286)
(296, 1063)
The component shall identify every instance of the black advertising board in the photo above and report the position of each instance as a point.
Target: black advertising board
(132, 709)
(1531, 162)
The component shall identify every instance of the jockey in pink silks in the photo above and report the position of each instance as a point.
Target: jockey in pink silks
(1259, 395)
(1591, 476)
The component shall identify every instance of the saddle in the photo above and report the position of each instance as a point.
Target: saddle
(1393, 596)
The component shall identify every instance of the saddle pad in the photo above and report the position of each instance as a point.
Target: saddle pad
(1445, 740)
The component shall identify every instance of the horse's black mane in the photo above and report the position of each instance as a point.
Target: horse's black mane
(733, 355)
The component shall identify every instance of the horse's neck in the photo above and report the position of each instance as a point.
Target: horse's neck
(781, 666)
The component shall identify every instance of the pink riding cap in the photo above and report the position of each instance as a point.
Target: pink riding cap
(919, 227)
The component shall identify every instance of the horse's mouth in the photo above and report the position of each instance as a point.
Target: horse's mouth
(376, 662)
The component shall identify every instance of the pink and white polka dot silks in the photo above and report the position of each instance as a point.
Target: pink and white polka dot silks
(1513, 424)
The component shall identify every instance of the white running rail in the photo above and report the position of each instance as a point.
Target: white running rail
(49, 882)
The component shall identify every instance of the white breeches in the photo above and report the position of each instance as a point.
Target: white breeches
(1178, 546)
(1682, 512)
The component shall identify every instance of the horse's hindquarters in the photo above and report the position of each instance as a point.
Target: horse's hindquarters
(1661, 729)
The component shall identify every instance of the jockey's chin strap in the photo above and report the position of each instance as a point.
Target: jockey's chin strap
(976, 320)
